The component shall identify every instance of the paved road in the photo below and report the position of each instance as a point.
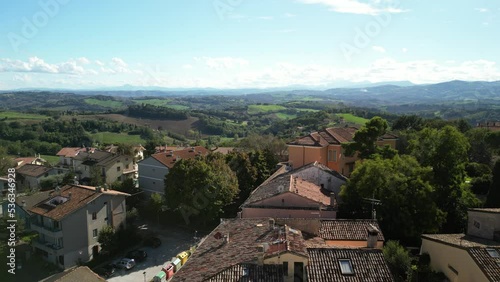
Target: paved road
(174, 241)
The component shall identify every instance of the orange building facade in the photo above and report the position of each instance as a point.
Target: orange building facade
(325, 147)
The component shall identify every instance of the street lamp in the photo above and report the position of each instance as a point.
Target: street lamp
(144, 273)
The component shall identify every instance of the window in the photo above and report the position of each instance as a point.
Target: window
(285, 268)
(126, 166)
(117, 168)
(346, 267)
(94, 233)
(477, 224)
(493, 253)
(94, 216)
(332, 155)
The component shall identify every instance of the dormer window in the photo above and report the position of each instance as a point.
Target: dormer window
(493, 253)
(346, 267)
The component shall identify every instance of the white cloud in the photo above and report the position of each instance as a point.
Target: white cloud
(481, 10)
(289, 15)
(378, 49)
(187, 66)
(83, 61)
(222, 62)
(404, 50)
(267, 18)
(355, 6)
(99, 63)
(118, 62)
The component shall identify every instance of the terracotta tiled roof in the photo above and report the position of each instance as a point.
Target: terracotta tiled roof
(80, 197)
(80, 274)
(246, 239)
(32, 200)
(33, 170)
(27, 160)
(169, 159)
(348, 229)
(223, 150)
(461, 240)
(69, 152)
(489, 265)
(332, 135)
(489, 210)
(288, 184)
(249, 272)
(367, 265)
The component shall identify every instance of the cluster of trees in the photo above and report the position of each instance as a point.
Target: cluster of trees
(155, 112)
(201, 190)
(421, 189)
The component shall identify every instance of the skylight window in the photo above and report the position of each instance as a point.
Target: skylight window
(493, 253)
(346, 267)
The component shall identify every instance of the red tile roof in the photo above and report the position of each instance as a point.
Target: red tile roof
(169, 158)
(33, 170)
(368, 265)
(80, 196)
(488, 264)
(250, 272)
(288, 184)
(246, 239)
(69, 152)
(332, 135)
(348, 229)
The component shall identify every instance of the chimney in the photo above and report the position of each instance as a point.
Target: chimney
(105, 187)
(24, 203)
(226, 238)
(239, 214)
(333, 201)
(372, 239)
(69, 196)
(271, 224)
(98, 189)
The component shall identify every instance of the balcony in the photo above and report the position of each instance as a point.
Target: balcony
(53, 232)
(46, 245)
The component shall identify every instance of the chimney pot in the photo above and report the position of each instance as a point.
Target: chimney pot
(271, 223)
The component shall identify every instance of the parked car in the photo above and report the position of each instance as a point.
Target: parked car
(137, 255)
(126, 263)
(105, 271)
(154, 242)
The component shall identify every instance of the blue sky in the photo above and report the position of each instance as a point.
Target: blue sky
(245, 43)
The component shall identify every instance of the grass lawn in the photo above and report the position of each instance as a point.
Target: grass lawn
(114, 138)
(177, 107)
(104, 103)
(353, 119)
(11, 116)
(285, 116)
(51, 159)
(258, 109)
(311, 99)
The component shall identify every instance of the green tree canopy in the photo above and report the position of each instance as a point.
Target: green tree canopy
(398, 260)
(493, 199)
(407, 198)
(200, 188)
(365, 140)
(446, 151)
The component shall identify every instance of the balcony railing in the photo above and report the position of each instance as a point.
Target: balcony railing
(48, 228)
(48, 244)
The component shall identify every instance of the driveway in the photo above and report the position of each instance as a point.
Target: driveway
(173, 241)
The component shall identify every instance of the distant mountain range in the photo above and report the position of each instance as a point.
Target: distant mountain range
(359, 94)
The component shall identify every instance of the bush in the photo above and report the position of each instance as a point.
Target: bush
(398, 259)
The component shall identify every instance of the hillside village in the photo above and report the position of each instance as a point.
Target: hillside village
(302, 221)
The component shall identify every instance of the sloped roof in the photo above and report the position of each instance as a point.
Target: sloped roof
(33, 170)
(69, 151)
(286, 184)
(488, 264)
(246, 237)
(348, 229)
(332, 135)
(169, 159)
(80, 274)
(250, 272)
(368, 265)
(31, 200)
(80, 196)
(488, 210)
(461, 240)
